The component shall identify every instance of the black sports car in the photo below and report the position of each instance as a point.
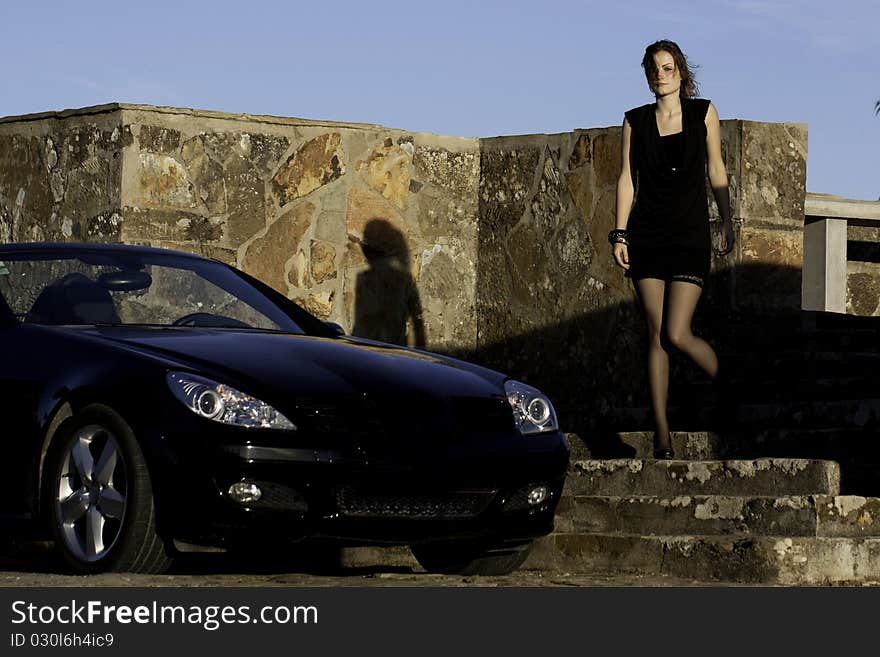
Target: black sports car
(152, 398)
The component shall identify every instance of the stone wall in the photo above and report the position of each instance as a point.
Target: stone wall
(771, 168)
(60, 177)
(494, 249)
(375, 229)
(863, 271)
(369, 227)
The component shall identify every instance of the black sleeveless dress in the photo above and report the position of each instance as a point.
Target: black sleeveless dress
(669, 223)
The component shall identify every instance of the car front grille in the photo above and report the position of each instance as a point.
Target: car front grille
(372, 415)
(360, 504)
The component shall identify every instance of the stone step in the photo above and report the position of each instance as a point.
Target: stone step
(824, 444)
(792, 363)
(861, 340)
(813, 515)
(811, 414)
(755, 559)
(774, 477)
(857, 451)
(688, 445)
(776, 388)
(823, 321)
(824, 330)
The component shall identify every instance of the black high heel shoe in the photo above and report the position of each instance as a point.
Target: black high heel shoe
(664, 453)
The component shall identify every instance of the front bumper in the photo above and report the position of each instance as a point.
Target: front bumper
(355, 494)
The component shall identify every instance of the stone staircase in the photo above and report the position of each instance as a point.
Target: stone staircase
(773, 521)
(777, 492)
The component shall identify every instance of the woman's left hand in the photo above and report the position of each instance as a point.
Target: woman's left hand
(727, 237)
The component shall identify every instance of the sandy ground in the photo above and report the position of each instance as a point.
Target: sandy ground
(30, 565)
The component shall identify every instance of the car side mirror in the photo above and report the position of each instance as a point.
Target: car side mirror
(336, 328)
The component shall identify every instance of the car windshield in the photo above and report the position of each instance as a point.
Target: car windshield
(129, 288)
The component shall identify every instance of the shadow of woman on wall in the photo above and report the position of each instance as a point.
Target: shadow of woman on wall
(386, 298)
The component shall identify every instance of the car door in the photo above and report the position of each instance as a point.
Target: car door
(21, 361)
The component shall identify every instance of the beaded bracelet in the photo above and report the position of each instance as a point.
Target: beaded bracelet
(618, 236)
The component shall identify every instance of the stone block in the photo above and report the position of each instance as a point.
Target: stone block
(527, 262)
(266, 256)
(265, 150)
(455, 172)
(863, 289)
(316, 163)
(580, 186)
(773, 173)
(602, 265)
(319, 304)
(164, 183)
(768, 268)
(158, 139)
(847, 515)
(147, 225)
(606, 156)
(689, 514)
(622, 477)
(507, 178)
(788, 561)
(207, 176)
(442, 216)
(546, 204)
(245, 200)
(581, 153)
(387, 171)
(367, 208)
(322, 261)
(330, 226)
(696, 445)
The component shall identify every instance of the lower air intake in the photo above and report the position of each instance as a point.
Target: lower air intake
(359, 504)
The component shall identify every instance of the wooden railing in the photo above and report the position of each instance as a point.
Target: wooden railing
(825, 220)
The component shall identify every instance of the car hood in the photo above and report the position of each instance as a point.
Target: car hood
(298, 364)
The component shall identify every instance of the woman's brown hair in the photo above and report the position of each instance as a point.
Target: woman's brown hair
(689, 87)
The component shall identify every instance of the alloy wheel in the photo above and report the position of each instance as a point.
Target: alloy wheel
(91, 495)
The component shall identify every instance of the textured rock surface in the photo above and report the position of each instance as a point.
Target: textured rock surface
(764, 559)
(806, 515)
(621, 477)
(370, 228)
(266, 257)
(700, 514)
(863, 289)
(59, 180)
(317, 162)
(387, 171)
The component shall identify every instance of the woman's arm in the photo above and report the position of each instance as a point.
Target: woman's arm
(718, 178)
(625, 194)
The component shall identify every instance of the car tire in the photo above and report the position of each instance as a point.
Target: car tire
(469, 558)
(98, 497)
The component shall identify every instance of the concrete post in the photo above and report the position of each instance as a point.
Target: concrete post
(824, 275)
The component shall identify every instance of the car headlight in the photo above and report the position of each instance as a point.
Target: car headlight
(532, 410)
(223, 403)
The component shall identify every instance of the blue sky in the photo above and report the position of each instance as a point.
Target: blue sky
(477, 68)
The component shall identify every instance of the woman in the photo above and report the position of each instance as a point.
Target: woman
(662, 235)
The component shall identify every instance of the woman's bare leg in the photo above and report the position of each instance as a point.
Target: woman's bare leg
(683, 298)
(652, 293)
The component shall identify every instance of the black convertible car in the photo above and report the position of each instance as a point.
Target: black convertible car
(152, 398)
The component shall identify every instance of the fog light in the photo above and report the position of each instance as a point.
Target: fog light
(537, 495)
(244, 492)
